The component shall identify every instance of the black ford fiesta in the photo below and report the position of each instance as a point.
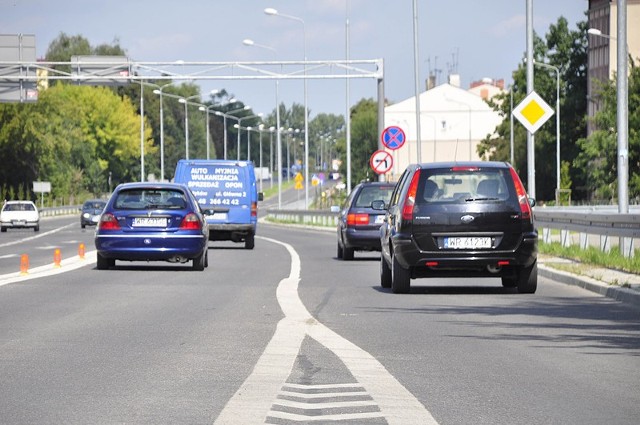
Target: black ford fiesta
(459, 219)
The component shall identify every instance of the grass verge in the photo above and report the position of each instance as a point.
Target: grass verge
(593, 256)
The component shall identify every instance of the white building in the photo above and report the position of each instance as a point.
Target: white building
(452, 123)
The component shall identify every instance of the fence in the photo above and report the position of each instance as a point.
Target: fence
(603, 223)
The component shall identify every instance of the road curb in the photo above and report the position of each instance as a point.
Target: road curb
(617, 293)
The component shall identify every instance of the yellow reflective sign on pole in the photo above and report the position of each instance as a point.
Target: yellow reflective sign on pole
(533, 112)
(298, 185)
(298, 177)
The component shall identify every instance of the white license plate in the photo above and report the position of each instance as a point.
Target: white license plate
(467, 242)
(149, 222)
(379, 219)
(218, 216)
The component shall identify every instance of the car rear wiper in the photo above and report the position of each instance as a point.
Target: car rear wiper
(481, 199)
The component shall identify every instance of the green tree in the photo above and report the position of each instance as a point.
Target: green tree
(364, 141)
(566, 50)
(598, 156)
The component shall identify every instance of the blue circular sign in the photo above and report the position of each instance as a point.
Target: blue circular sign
(393, 137)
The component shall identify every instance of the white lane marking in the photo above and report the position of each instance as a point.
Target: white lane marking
(252, 402)
(39, 235)
(296, 417)
(66, 265)
(8, 256)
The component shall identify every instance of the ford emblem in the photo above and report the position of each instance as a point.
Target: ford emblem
(466, 219)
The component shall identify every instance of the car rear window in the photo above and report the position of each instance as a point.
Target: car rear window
(141, 199)
(19, 207)
(447, 185)
(94, 205)
(368, 194)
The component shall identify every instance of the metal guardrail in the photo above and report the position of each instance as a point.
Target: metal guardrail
(57, 211)
(308, 217)
(598, 223)
(603, 222)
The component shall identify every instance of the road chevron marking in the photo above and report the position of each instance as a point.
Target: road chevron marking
(252, 402)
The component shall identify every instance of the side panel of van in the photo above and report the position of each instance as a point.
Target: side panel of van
(227, 194)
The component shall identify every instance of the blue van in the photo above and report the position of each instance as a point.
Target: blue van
(227, 194)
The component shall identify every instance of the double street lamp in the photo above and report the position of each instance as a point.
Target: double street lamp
(251, 43)
(185, 100)
(224, 121)
(159, 92)
(273, 12)
(239, 127)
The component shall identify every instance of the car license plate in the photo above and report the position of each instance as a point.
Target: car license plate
(149, 222)
(379, 219)
(19, 222)
(218, 216)
(467, 242)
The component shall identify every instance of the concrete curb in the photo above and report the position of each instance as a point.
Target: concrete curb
(617, 293)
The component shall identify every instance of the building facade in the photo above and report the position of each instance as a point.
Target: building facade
(453, 121)
(602, 51)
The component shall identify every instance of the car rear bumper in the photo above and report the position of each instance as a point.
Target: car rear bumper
(16, 224)
(456, 263)
(362, 239)
(150, 247)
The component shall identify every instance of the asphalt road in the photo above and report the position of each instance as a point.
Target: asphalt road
(259, 334)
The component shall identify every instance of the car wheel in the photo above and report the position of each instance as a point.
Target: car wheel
(104, 263)
(509, 282)
(528, 279)
(400, 278)
(340, 253)
(206, 258)
(199, 262)
(249, 241)
(83, 225)
(37, 228)
(385, 273)
(347, 254)
(3, 229)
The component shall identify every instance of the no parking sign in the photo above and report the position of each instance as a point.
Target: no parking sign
(393, 137)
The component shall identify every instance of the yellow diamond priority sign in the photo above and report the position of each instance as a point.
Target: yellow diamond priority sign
(532, 112)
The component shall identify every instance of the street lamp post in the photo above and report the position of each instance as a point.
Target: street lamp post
(185, 100)
(239, 127)
(159, 92)
(249, 42)
(224, 121)
(207, 109)
(273, 12)
(557, 71)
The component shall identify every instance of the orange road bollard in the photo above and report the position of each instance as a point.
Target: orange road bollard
(57, 257)
(24, 264)
(81, 251)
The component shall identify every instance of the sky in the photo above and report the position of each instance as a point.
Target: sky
(475, 39)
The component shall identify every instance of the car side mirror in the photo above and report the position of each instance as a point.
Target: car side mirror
(378, 205)
(260, 196)
(532, 202)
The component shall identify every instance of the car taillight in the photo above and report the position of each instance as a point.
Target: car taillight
(357, 219)
(190, 222)
(410, 201)
(108, 222)
(525, 208)
(254, 209)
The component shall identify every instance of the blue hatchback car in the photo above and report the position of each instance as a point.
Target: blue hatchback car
(152, 222)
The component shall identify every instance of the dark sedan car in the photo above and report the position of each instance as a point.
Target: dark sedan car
(152, 222)
(359, 224)
(90, 212)
(470, 219)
